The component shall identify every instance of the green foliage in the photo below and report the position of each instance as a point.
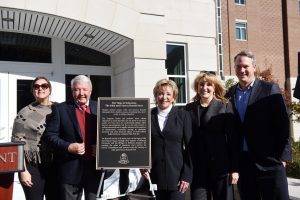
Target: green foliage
(293, 168)
(230, 82)
(295, 110)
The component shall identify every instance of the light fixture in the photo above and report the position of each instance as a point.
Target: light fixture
(7, 19)
(89, 35)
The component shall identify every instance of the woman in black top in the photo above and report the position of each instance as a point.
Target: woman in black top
(171, 131)
(214, 142)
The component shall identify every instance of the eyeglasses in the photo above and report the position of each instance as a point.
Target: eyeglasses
(208, 72)
(44, 86)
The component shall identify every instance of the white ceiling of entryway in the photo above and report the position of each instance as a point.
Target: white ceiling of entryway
(24, 21)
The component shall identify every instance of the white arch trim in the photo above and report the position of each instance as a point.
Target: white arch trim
(88, 35)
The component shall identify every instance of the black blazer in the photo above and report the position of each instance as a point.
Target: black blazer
(266, 125)
(171, 160)
(62, 130)
(215, 144)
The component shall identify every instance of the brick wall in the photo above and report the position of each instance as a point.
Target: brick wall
(265, 35)
(294, 35)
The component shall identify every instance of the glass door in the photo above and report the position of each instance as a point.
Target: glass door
(15, 93)
(4, 107)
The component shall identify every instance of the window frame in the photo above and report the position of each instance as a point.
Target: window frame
(77, 58)
(184, 77)
(25, 47)
(243, 31)
(240, 2)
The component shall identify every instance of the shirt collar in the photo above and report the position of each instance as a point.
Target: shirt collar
(166, 111)
(87, 104)
(249, 87)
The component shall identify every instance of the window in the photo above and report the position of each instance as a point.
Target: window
(24, 97)
(24, 48)
(241, 30)
(176, 69)
(299, 6)
(240, 2)
(79, 55)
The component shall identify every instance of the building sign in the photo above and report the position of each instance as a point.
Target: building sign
(123, 138)
(11, 157)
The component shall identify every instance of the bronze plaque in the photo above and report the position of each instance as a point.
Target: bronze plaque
(123, 138)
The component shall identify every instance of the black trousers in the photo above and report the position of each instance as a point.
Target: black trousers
(123, 182)
(44, 179)
(256, 184)
(169, 195)
(219, 189)
(89, 183)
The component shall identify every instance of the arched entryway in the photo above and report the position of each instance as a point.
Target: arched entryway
(55, 47)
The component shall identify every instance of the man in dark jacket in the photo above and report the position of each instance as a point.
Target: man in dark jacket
(264, 131)
(71, 131)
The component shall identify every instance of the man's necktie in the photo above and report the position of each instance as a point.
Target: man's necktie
(83, 107)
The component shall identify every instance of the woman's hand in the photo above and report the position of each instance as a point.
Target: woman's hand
(234, 177)
(183, 186)
(25, 178)
(145, 173)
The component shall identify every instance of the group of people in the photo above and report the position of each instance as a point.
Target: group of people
(240, 136)
(65, 132)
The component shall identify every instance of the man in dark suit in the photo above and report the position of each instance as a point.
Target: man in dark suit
(265, 133)
(71, 132)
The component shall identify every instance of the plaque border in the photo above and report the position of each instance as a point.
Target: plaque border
(98, 134)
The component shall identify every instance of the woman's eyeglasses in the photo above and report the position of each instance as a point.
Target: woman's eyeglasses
(208, 72)
(44, 86)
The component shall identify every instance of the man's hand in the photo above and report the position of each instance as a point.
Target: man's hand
(76, 148)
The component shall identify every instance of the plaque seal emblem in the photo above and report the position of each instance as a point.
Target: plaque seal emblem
(123, 159)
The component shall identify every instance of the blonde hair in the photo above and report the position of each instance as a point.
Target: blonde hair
(165, 82)
(211, 78)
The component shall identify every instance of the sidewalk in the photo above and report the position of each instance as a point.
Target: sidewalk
(294, 189)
